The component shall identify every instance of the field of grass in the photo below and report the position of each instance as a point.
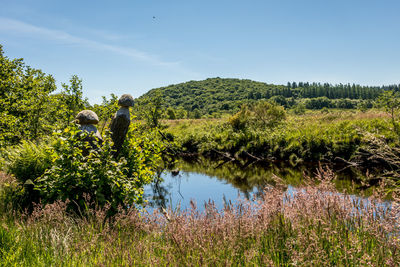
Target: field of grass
(315, 226)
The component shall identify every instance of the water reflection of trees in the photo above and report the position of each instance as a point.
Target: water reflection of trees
(246, 179)
(250, 181)
(161, 193)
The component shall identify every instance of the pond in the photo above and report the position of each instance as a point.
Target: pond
(203, 180)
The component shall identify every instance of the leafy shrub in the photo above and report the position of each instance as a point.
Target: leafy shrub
(240, 120)
(262, 114)
(24, 102)
(299, 109)
(27, 161)
(268, 114)
(79, 171)
(106, 109)
(151, 108)
(142, 154)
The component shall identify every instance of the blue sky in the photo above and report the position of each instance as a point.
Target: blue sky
(134, 46)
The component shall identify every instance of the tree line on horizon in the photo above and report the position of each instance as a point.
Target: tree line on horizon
(216, 96)
(336, 91)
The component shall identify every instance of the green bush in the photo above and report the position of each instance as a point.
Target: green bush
(262, 114)
(80, 172)
(240, 120)
(267, 115)
(299, 109)
(27, 161)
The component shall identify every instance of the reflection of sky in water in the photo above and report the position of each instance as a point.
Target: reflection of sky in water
(198, 187)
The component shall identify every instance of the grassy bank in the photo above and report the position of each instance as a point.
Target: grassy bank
(315, 226)
(311, 137)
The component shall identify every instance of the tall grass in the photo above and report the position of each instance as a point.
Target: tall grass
(315, 226)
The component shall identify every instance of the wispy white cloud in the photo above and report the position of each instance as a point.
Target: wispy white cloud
(106, 35)
(16, 26)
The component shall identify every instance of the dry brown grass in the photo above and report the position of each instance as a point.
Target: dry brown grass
(5, 178)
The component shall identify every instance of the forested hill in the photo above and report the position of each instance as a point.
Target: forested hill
(224, 94)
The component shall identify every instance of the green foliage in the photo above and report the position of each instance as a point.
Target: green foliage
(151, 108)
(279, 99)
(337, 91)
(79, 171)
(214, 95)
(171, 114)
(72, 101)
(318, 103)
(181, 113)
(363, 106)
(217, 95)
(196, 114)
(310, 137)
(299, 109)
(106, 110)
(7, 240)
(28, 161)
(143, 151)
(267, 114)
(28, 110)
(24, 100)
(390, 102)
(70, 168)
(324, 110)
(239, 121)
(262, 114)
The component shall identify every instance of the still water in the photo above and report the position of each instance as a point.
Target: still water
(203, 180)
